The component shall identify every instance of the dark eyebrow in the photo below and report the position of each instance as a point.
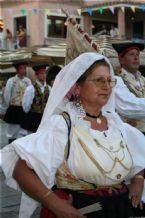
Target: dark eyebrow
(109, 77)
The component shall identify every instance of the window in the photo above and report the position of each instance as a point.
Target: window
(57, 26)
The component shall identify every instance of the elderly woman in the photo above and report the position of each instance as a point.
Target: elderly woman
(85, 162)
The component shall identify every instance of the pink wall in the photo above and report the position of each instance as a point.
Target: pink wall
(36, 22)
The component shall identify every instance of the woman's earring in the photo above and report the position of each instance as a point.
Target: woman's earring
(78, 106)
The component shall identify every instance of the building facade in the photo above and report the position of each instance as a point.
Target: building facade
(44, 20)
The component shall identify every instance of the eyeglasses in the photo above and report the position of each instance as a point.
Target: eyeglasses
(100, 81)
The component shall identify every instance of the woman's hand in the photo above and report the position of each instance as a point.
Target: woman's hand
(62, 208)
(135, 192)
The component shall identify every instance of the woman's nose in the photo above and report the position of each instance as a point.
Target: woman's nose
(106, 84)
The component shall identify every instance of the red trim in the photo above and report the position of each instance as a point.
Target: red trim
(128, 49)
(42, 70)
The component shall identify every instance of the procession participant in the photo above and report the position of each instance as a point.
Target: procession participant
(52, 73)
(130, 95)
(87, 151)
(13, 94)
(34, 100)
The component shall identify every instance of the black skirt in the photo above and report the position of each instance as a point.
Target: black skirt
(14, 115)
(117, 206)
(111, 205)
(31, 121)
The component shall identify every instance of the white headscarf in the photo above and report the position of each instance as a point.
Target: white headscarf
(66, 79)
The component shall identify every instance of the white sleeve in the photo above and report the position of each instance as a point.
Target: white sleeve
(126, 103)
(8, 91)
(29, 82)
(28, 97)
(43, 151)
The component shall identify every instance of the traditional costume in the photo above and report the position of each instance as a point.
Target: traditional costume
(13, 93)
(130, 105)
(74, 158)
(34, 101)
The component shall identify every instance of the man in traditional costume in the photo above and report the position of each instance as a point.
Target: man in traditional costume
(34, 100)
(13, 93)
(130, 95)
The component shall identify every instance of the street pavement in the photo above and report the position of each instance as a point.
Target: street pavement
(9, 198)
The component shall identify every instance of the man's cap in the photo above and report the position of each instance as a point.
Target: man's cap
(19, 63)
(123, 47)
(41, 68)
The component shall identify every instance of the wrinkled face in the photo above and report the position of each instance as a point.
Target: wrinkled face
(96, 89)
(21, 70)
(42, 76)
(130, 61)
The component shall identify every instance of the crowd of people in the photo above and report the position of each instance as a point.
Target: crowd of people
(86, 154)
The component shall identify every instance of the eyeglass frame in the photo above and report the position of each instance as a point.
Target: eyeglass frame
(112, 80)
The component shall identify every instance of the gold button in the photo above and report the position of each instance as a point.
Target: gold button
(118, 176)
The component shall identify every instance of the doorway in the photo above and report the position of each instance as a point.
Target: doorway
(20, 21)
(138, 29)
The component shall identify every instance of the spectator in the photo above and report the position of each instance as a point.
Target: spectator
(21, 35)
(8, 39)
(2, 38)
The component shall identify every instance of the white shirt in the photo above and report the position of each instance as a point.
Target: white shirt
(30, 94)
(9, 86)
(126, 103)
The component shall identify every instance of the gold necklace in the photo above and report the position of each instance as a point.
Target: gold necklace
(98, 144)
(106, 150)
(104, 172)
(116, 158)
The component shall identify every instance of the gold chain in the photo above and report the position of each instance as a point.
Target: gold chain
(98, 165)
(105, 150)
(100, 145)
